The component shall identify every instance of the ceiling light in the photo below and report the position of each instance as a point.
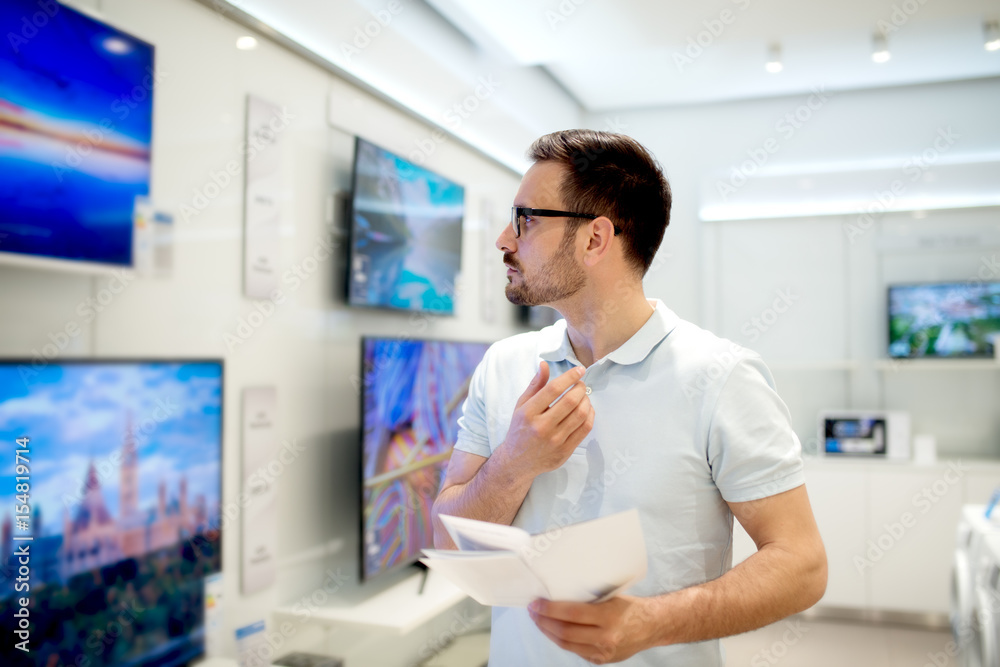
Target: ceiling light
(246, 42)
(991, 29)
(117, 45)
(773, 64)
(880, 52)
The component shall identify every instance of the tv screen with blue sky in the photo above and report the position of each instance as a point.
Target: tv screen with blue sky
(406, 234)
(76, 122)
(120, 506)
(944, 319)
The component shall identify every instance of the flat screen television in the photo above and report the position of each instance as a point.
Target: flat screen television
(119, 509)
(412, 397)
(960, 319)
(76, 121)
(406, 234)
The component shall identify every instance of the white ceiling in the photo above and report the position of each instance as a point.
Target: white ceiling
(642, 53)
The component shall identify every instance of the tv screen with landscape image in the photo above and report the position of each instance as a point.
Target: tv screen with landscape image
(406, 234)
(115, 493)
(936, 320)
(76, 122)
(412, 397)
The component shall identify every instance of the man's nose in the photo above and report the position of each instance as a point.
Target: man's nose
(507, 242)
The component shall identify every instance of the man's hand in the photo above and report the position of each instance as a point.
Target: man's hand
(542, 438)
(602, 632)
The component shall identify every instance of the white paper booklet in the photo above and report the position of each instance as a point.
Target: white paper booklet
(504, 566)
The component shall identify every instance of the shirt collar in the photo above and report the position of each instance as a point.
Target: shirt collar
(555, 345)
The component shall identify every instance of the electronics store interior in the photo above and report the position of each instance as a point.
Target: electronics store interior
(232, 375)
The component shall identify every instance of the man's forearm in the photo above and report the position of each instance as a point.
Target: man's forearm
(494, 494)
(768, 586)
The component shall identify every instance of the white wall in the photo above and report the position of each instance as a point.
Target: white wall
(824, 349)
(309, 347)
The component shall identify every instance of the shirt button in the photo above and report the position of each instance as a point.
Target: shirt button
(588, 391)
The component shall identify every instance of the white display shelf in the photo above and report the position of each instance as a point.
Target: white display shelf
(937, 365)
(887, 365)
(399, 609)
(819, 365)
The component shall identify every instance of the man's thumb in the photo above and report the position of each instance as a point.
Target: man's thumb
(537, 382)
(542, 376)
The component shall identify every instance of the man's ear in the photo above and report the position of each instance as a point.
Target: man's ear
(602, 233)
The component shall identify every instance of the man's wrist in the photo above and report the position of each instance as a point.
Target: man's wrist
(518, 471)
(661, 617)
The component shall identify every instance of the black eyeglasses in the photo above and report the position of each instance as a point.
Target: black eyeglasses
(517, 213)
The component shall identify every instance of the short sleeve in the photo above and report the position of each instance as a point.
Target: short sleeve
(752, 450)
(473, 433)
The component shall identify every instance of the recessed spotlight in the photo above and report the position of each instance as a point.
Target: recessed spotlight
(880, 51)
(246, 42)
(773, 64)
(991, 29)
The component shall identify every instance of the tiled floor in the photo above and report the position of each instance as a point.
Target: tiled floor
(790, 643)
(812, 643)
(471, 650)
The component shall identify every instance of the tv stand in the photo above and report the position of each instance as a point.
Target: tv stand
(398, 610)
(423, 577)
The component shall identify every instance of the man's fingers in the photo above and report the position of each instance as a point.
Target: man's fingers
(582, 650)
(569, 402)
(574, 420)
(554, 389)
(577, 436)
(566, 632)
(583, 613)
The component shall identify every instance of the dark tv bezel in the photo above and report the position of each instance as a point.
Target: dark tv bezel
(933, 283)
(350, 233)
(363, 575)
(31, 363)
(88, 266)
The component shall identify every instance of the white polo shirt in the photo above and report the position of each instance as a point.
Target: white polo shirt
(684, 422)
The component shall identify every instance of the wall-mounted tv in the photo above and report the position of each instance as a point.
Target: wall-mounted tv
(412, 397)
(116, 496)
(76, 121)
(950, 320)
(406, 234)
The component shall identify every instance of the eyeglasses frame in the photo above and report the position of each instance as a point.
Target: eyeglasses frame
(517, 211)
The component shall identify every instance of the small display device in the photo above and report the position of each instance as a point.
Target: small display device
(874, 433)
(855, 436)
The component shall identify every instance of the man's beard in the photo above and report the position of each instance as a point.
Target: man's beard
(560, 279)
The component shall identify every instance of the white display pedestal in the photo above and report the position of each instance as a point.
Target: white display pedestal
(398, 610)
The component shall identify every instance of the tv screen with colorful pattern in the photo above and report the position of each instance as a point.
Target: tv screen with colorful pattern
(412, 397)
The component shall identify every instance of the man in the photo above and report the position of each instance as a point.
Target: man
(657, 414)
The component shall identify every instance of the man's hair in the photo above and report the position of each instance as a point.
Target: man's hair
(612, 175)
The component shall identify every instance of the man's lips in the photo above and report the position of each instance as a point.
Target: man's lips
(508, 261)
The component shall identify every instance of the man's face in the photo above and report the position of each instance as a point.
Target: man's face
(542, 267)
